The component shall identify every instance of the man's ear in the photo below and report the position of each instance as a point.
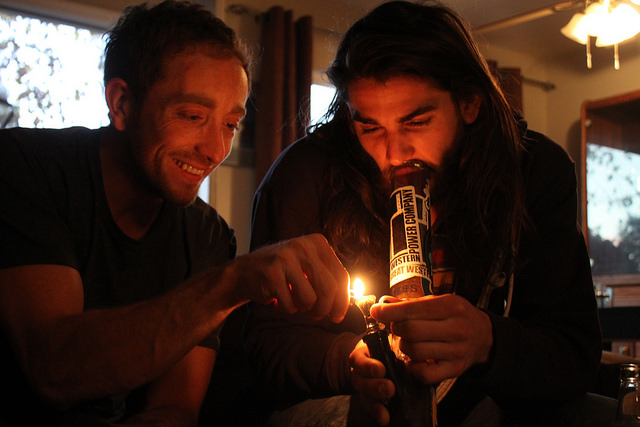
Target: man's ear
(119, 102)
(470, 108)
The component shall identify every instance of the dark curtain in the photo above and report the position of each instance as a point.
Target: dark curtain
(510, 81)
(284, 85)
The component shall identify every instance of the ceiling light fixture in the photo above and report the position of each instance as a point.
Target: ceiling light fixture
(609, 22)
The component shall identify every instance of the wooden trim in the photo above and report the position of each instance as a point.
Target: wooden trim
(618, 279)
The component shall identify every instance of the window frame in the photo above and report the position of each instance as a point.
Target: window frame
(66, 12)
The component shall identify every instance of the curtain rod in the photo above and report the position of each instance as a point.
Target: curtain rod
(547, 86)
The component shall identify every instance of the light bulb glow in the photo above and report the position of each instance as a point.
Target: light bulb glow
(610, 24)
(621, 24)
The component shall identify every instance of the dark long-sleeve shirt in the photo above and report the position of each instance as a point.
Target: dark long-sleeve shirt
(545, 352)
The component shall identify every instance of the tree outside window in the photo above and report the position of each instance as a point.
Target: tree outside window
(50, 74)
(613, 210)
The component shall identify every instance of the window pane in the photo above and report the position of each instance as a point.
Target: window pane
(613, 209)
(321, 97)
(50, 73)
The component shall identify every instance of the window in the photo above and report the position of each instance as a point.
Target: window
(321, 97)
(50, 74)
(613, 209)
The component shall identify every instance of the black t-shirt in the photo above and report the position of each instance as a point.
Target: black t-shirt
(53, 210)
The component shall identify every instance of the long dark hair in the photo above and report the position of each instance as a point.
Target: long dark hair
(480, 192)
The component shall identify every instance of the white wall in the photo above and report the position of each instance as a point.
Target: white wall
(576, 87)
(231, 194)
(557, 112)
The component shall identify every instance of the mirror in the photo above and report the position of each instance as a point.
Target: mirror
(611, 187)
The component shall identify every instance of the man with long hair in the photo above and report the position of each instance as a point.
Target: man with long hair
(519, 332)
(115, 278)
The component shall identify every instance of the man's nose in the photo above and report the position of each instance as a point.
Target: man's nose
(215, 144)
(399, 148)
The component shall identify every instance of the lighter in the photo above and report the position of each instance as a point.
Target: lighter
(376, 338)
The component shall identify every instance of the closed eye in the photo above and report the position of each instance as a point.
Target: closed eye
(233, 122)
(366, 130)
(418, 123)
(190, 115)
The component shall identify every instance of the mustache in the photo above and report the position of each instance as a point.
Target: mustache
(431, 169)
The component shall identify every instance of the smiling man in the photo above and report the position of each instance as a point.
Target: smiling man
(114, 277)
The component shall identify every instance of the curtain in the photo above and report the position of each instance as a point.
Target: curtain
(284, 85)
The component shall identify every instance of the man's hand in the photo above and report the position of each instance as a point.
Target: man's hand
(373, 389)
(443, 335)
(301, 274)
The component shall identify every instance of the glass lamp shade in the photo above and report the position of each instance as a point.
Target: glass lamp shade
(609, 28)
(576, 29)
(621, 24)
(596, 18)
(589, 23)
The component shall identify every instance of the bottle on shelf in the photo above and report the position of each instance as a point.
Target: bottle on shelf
(628, 413)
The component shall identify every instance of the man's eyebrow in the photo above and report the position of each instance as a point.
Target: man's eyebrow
(190, 98)
(418, 111)
(240, 110)
(204, 101)
(356, 116)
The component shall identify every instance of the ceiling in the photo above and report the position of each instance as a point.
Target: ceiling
(537, 33)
